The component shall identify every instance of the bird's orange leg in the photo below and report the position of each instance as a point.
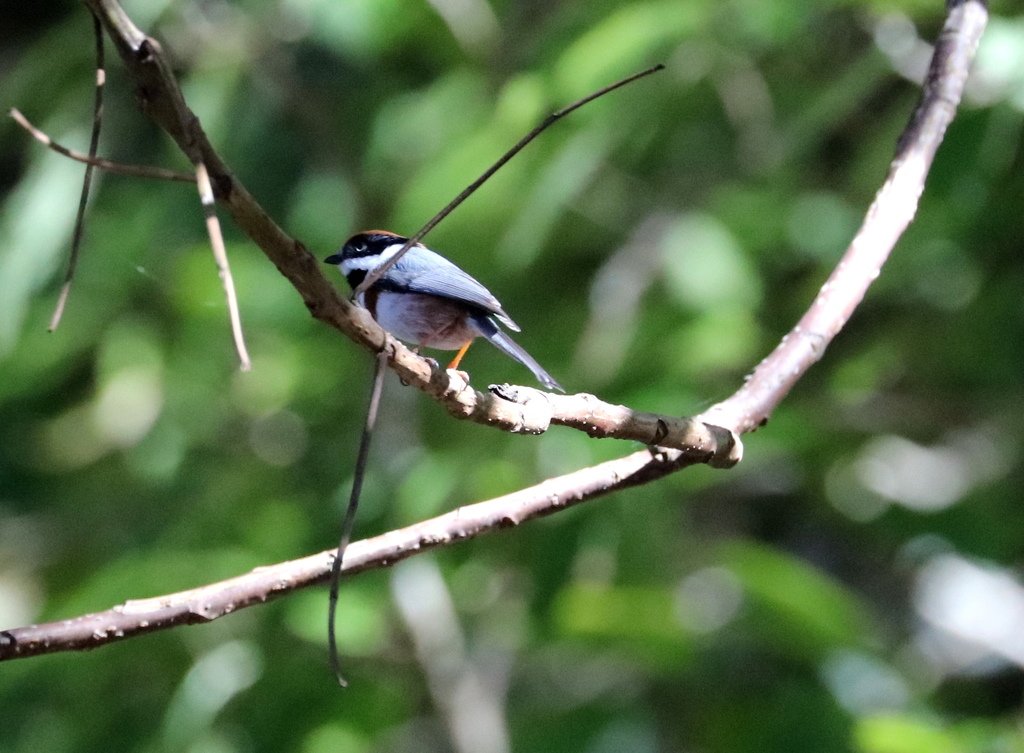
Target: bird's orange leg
(458, 356)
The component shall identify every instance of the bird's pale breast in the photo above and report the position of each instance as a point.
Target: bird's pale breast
(425, 320)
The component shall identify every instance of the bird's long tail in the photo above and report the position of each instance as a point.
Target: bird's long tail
(510, 347)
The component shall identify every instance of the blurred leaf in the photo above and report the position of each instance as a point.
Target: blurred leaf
(903, 734)
(628, 39)
(640, 622)
(35, 229)
(359, 28)
(705, 267)
(802, 607)
(336, 738)
(1000, 61)
(361, 625)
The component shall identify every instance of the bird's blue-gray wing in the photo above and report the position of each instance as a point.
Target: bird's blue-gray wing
(423, 271)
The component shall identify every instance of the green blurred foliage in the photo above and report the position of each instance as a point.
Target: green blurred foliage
(852, 585)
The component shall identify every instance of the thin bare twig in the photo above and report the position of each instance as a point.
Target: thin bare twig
(118, 168)
(94, 140)
(220, 256)
(358, 474)
(416, 237)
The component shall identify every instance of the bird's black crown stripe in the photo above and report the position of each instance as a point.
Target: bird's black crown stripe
(369, 244)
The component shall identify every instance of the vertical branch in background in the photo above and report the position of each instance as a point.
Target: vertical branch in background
(350, 513)
(97, 118)
(220, 256)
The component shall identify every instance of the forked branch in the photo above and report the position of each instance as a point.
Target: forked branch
(714, 430)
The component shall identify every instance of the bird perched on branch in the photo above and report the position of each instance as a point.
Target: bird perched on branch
(428, 301)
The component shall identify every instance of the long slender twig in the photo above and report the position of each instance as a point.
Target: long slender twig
(220, 256)
(110, 166)
(416, 237)
(744, 411)
(358, 474)
(94, 141)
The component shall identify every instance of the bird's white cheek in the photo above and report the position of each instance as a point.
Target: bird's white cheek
(365, 263)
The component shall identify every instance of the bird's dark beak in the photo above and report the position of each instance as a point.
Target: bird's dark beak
(333, 259)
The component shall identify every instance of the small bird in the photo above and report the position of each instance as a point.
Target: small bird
(428, 301)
